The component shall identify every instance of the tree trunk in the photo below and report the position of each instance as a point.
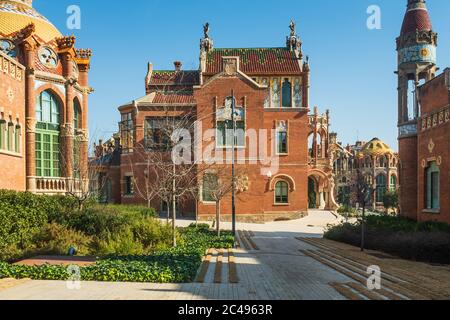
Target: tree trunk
(218, 217)
(174, 215)
(196, 212)
(168, 212)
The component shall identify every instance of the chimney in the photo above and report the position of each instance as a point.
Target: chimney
(178, 65)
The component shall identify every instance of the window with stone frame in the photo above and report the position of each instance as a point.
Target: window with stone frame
(17, 135)
(381, 187)
(47, 146)
(282, 138)
(282, 192)
(10, 137)
(432, 187)
(128, 186)
(127, 132)
(224, 128)
(2, 134)
(224, 134)
(393, 183)
(159, 131)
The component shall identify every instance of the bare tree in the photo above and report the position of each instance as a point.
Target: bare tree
(362, 193)
(218, 184)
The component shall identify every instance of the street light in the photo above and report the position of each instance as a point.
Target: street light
(231, 103)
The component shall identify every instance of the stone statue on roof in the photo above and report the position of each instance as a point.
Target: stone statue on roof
(206, 30)
(292, 27)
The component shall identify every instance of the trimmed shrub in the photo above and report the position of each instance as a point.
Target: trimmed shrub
(428, 241)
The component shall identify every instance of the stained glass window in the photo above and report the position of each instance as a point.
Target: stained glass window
(275, 91)
(287, 94)
(297, 94)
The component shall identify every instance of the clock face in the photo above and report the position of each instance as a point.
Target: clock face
(7, 47)
(417, 53)
(48, 57)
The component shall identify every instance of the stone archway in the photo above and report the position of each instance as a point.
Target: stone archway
(320, 191)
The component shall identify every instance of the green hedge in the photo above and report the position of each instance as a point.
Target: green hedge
(421, 241)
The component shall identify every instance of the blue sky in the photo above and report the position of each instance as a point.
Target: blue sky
(352, 66)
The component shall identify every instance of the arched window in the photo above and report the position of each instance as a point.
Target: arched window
(368, 163)
(282, 192)
(381, 187)
(287, 94)
(17, 134)
(9, 137)
(382, 162)
(2, 134)
(76, 114)
(48, 108)
(393, 183)
(48, 111)
(432, 195)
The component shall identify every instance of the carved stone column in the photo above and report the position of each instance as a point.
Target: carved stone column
(83, 60)
(30, 114)
(67, 130)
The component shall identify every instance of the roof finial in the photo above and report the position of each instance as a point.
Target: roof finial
(206, 44)
(292, 27)
(206, 30)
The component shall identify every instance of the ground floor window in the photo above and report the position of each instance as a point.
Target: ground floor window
(208, 186)
(432, 187)
(282, 192)
(393, 183)
(128, 186)
(47, 153)
(381, 188)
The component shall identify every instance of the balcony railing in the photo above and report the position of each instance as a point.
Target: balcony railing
(58, 185)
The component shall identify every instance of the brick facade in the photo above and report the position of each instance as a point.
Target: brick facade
(12, 113)
(36, 60)
(424, 129)
(260, 79)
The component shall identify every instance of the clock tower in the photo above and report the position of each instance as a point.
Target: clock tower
(416, 47)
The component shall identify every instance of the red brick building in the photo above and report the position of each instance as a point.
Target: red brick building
(271, 87)
(424, 135)
(43, 103)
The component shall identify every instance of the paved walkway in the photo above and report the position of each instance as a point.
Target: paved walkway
(271, 264)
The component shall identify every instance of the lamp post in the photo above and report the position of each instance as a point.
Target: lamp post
(233, 166)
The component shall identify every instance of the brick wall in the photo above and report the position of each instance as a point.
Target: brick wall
(12, 110)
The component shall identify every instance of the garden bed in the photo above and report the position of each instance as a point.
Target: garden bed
(418, 241)
(132, 245)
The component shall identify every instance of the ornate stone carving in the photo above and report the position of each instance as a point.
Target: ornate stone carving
(30, 125)
(431, 146)
(10, 94)
(230, 66)
(83, 135)
(67, 130)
